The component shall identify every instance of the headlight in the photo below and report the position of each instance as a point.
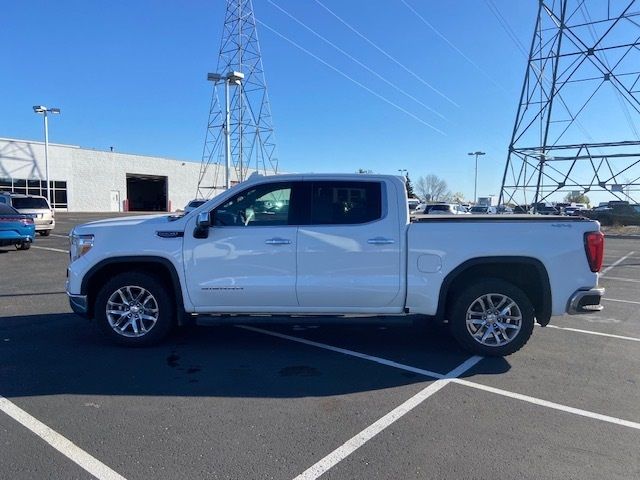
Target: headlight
(80, 244)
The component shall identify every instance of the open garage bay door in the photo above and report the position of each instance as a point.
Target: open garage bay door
(146, 193)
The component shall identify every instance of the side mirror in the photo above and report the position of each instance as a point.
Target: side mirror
(203, 222)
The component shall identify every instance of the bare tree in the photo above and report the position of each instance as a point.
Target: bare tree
(432, 188)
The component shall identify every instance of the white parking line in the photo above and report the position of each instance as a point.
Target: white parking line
(70, 450)
(620, 279)
(617, 262)
(383, 361)
(538, 401)
(591, 332)
(545, 403)
(50, 249)
(59, 236)
(621, 301)
(351, 445)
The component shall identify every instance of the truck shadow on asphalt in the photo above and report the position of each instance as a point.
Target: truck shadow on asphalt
(63, 354)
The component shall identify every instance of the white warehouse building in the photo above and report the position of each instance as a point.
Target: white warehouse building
(86, 180)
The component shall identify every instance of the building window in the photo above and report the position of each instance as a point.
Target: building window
(37, 187)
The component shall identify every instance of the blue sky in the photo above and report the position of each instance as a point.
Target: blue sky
(132, 75)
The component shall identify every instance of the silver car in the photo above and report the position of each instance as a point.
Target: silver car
(36, 206)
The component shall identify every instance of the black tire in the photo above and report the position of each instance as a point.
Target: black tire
(45, 233)
(166, 310)
(468, 298)
(23, 246)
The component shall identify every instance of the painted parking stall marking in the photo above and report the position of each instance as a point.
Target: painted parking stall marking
(50, 249)
(383, 361)
(69, 449)
(621, 301)
(374, 429)
(615, 264)
(620, 279)
(546, 403)
(591, 332)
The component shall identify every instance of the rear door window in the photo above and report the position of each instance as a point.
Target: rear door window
(345, 202)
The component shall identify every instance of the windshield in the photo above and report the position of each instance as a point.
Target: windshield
(196, 203)
(24, 203)
(478, 209)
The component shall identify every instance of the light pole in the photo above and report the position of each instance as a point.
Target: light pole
(475, 184)
(229, 78)
(403, 170)
(44, 111)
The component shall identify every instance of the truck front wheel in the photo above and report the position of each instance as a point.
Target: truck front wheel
(134, 309)
(492, 317)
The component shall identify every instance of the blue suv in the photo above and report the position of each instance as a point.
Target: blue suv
(15, 228)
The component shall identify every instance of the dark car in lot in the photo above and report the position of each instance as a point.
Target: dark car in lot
(15, 228)
(615, 214)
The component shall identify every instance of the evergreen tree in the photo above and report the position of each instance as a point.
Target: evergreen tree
(410, 192)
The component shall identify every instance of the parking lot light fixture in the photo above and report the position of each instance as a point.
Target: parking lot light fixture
(235, 78)
(475, 183)
(44, 111)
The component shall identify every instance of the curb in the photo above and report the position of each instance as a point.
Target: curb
(622, 237)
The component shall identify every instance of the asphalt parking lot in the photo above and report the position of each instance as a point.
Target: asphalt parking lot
(287, 401)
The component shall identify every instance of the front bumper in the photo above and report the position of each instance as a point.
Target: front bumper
(79, 304)
(585, 301)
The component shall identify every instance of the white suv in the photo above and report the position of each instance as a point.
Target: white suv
(33, 205)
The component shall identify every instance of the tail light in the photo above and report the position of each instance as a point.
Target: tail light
(24, 221)
(594, 247)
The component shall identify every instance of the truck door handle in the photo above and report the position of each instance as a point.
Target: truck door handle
(277, 241)
(380, 241)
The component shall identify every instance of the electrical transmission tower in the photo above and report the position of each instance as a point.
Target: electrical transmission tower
(251, 136)
(576, 129)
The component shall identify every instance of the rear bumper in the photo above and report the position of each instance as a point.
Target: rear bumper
(79, 304)
(585, 301)
(45, 225)
(15, 240)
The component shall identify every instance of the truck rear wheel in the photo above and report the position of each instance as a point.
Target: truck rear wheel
(492, 317)
(134, 309)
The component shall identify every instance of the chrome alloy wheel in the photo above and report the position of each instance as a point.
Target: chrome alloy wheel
(132, 311)
(494, 319)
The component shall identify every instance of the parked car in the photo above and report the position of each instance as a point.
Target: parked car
(520, 209)
(420, 209)
(344, 245)
(483, 210)
(413, 203)
(576, 211)
(15, 228)
(193, 204)
(505, 210)
(548, 210)
(35, 205)
(617, 214)
(445, 209)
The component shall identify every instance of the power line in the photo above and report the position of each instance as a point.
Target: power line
(352, 58)
(377, 95)
(448, 42)
(389, 56)
(506, 27)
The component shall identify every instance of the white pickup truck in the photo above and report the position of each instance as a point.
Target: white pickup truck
(334, 245)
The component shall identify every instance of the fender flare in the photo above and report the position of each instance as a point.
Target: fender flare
(543, 313)
(148, 259)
